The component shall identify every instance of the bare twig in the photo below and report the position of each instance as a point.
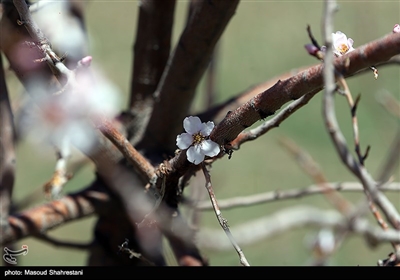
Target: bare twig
(274, 196)
(222, 221)
(353, 108)
(132, 254)
(254, 133)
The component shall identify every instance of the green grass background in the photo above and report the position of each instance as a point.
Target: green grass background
(263, 39)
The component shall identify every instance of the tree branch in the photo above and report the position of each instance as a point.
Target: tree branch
(310, 80)
(150, 55)
(186, 65)
(48, 216)
(330, 66)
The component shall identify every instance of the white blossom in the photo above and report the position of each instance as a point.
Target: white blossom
(196, 140)
(341, 44)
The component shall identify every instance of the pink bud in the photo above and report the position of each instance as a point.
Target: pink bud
(311, 49)
(396, 28)
(86, 61)
(314, 51)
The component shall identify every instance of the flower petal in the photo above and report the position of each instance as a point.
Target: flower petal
(184, 140)
(207, 128)
(192, 124)
(194, 154)
(210, 148)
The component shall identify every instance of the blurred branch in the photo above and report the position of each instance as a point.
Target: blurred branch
(392, 160)
(211, 78)
(291, 218)
(175, 92)
(274, 196)
(42, 43)
(7, 152)
(48, 216)
(313, 170)
(61, 243)
(310, 80)
(389, 102)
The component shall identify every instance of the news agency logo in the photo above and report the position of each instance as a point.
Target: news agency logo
(9, 255)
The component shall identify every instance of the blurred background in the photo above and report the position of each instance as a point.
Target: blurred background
(264, 39)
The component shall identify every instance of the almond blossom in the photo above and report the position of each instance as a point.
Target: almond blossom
(341, 44)
(196, 140)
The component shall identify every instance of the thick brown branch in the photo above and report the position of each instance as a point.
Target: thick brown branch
(151, 49)
(151, 52)
(269, 101)
(185, 67)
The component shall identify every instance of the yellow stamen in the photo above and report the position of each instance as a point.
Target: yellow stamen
(198, 138)
(343, 48)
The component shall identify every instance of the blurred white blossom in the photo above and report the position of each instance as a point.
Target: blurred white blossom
(70, 113)
(64, 30)
(196, 139)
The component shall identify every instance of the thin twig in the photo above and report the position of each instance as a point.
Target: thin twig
(353, 108)
(274, 196)
(256, 132)
(222, 221)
